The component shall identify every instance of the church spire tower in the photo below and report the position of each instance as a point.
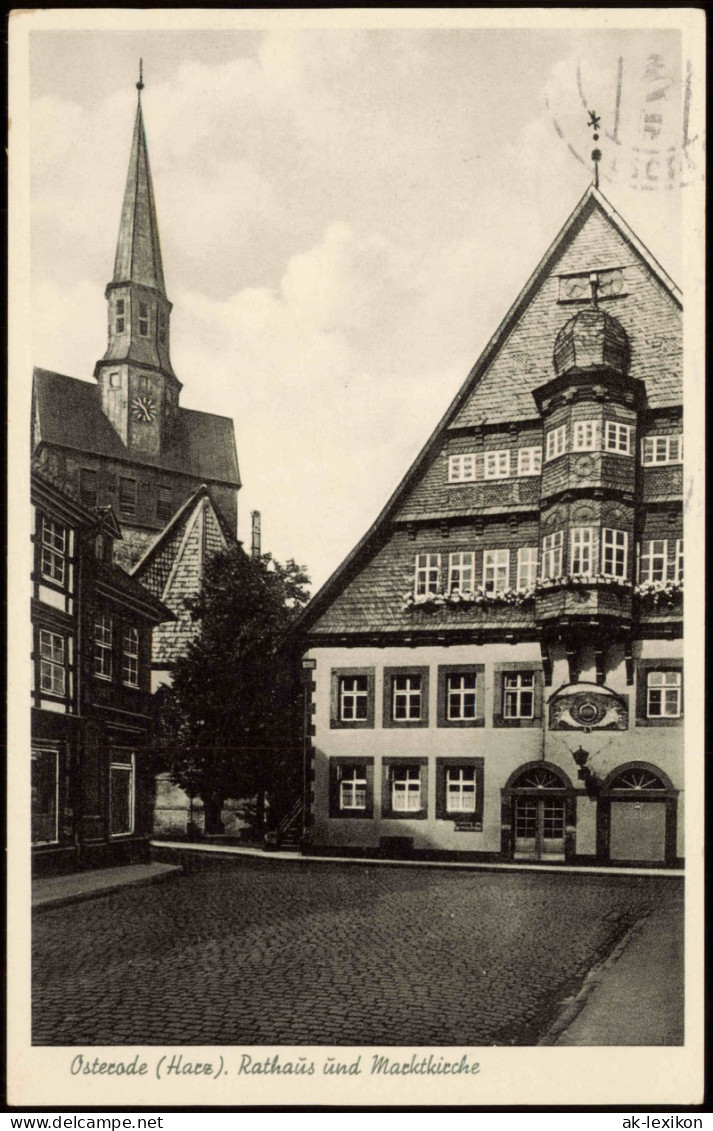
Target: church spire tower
(139, 390)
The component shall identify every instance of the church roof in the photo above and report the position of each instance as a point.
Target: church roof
(138, 251)
(68, 414)
(517, 359)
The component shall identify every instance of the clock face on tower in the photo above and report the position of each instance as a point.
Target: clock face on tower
(143, 409)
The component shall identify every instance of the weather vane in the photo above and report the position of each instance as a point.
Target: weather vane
(140, 83)
(594, 121)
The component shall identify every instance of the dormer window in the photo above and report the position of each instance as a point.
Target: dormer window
(143, 320)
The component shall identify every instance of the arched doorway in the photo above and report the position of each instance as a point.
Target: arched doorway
(538, 813)
(637, 816)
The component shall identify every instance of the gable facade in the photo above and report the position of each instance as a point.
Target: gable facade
(518, 601)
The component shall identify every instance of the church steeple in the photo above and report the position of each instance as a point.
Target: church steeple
(139, 389)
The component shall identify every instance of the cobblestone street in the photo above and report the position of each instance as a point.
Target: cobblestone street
(266, 952)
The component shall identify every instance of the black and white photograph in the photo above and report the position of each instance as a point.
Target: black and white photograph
(352, 713)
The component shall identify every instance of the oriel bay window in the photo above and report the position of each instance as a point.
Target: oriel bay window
(427, 577)
(587, 436)
(552, 545)
(614, 554)
(461, 695)
(582, 549)
(459, 791)
(351, 788)
(556, 442)
(404, 788)
(352, 698)
(526, 567)
(405, 697)
(617, 438)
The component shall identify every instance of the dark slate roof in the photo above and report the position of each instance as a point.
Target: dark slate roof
(515, 361)
(69, 415)
(178, 520)
(138, 251)
(112, 578)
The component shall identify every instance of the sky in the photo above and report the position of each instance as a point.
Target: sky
(345, 218)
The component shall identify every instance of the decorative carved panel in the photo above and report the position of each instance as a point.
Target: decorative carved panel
(588, 707)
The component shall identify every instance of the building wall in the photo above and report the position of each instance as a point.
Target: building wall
(503, 749)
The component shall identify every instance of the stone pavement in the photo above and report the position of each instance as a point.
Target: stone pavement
(253, 950)
(55, 891)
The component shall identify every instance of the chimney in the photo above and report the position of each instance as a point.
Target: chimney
(255, 548)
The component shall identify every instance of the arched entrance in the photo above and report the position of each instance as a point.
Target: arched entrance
(538, 814)
(637, 816)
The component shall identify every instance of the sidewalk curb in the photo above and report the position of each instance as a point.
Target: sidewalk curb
(573, 1005)
(50, 902)
(367, 861)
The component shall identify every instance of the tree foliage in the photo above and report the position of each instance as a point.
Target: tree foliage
(229, 724)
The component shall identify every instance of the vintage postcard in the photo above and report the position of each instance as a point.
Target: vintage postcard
(353, 706)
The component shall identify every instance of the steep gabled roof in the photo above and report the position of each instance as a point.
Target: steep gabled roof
(68, 414)
(173, 566)
(510, 398)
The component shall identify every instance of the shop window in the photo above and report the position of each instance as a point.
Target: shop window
(351, 788)
(405, 697)
(121, 793)
(45, 796)
(404, 788)
(352, 698)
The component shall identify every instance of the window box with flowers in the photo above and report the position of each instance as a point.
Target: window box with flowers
(659, 594)
(469, 599)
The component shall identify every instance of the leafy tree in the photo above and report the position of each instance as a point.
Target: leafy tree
(229, 724)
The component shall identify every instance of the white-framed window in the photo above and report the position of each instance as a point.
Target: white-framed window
(461, 696)
(406, 789)
(679, 559)
(662, 449)
(552, 545)
(653, 560)
(496, 570)
(45, 796)
(53, 660)
(460, 789)
(143, 319)
(556, 442)
(121, 793)
(582, 549)
(103, 645)
(497, 464)
(54, 551)
(461, 572)
(407, 692)
(518, 695)
(427, 574)
(663, 695)
(526, 567)
(617, 438)
(461, 469)
(587, 436)
(130, 656)
(529, 461)
(615, 544)
(353, 698)
(352, 788)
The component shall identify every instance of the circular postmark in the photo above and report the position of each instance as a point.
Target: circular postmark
(648, 126)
